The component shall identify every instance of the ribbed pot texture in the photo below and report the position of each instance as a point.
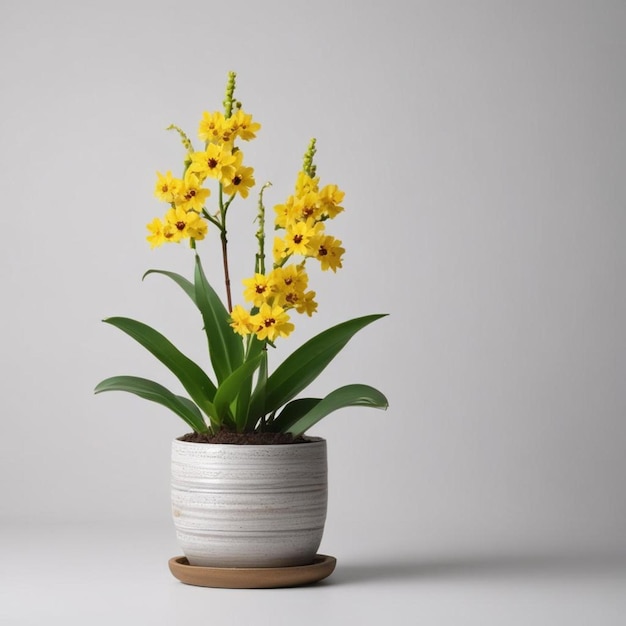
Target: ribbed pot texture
(248, 505)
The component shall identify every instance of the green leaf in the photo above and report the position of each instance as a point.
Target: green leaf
(255, 349)
(149, 390)
(186, 285)
(350, 395)
(257, 399)
(304, 365)
(225, 346)
(291, 413)
(228, 391)
(192, 407)
(199, 386)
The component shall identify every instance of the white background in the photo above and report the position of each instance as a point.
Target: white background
(481, 146)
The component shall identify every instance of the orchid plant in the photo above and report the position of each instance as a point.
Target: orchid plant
(241, 395)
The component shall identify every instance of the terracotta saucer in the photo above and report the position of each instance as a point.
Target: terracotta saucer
(252, 577)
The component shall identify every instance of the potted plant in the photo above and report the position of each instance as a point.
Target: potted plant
(249, 487)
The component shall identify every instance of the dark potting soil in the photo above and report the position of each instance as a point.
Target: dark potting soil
(250, 439)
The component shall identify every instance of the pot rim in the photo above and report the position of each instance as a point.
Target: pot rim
(313, 441)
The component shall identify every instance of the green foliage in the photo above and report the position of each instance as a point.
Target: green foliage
(350, 395)
(149, 390)
(240, 394)
(245, 398)
(304, 365)
(225, 346)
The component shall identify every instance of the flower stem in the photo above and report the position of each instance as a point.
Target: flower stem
(226, 274)
(259, 265)
(228, 109)
(224, 238)
(211, 219)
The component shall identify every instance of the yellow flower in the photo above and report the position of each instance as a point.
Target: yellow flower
(167, 187)
(327, 250)
(196, 226)
(330, 197)
(271, 322)
(191, 196)
(257, 290)
(307, 206)
(217, 161)
(241, 320)
(289, 280)
(279, 250)
(306, 304)
(306, 184)
(298, 237)
(212, 126)
(160, 233)
(285, 213)
(298, 208)
(241, 179)
(242, 126)
(184, 224)
(288, 285)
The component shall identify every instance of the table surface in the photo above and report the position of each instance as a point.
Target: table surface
(98, 574)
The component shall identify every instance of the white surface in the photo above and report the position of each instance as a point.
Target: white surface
(101, 575)
(482, 148)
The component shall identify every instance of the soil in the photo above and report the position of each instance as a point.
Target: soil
(242, 439)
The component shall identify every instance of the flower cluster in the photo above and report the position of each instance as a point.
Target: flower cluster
(240, 394)
(220, 160)
(302, 218)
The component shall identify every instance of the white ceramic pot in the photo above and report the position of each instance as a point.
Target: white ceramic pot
(249, 505)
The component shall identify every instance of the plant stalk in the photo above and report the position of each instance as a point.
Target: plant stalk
(224, 238)
(226, 274)
(259, 265)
